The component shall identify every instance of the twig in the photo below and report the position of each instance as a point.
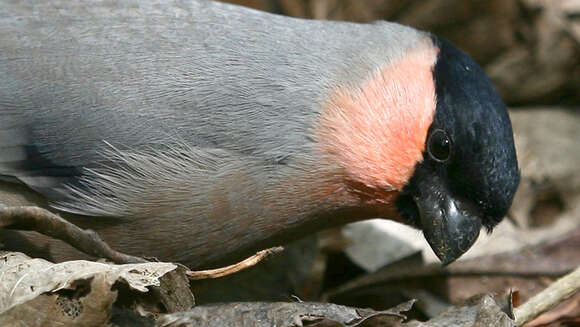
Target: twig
(558, 291)
(45, 222)
(228, 270)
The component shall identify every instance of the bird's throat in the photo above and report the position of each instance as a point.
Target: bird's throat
(377, 132)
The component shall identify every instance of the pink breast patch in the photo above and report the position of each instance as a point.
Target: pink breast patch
(377, 132)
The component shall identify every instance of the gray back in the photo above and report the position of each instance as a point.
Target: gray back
(78, 76)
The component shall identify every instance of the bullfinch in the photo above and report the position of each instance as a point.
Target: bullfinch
(199, 132)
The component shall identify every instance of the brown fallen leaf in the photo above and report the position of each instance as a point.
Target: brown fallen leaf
(283, 314)
(70, 308)
(479, 311)
(35, 292)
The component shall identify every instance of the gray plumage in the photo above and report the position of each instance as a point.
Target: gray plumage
(154, 109)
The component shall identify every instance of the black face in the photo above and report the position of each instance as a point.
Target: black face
(470, 168)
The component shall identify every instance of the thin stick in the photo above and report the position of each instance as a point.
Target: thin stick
(45, 222)
(557, 292)
(228, 270)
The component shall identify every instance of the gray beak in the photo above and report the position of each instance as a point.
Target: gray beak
(449, 225)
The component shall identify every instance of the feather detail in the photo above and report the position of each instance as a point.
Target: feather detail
(377, 132)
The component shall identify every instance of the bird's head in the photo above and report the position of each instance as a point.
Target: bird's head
(431, 129)
(469, 172)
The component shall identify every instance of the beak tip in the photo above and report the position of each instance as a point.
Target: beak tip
(446, 255)
(446, 261)
(450, 226)
(449, 246)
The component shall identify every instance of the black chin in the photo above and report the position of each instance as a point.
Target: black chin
(408, 209)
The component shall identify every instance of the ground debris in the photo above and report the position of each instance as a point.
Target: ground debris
(35, 292)
(285, 314)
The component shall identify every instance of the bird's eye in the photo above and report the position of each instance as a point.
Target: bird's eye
(439, 145)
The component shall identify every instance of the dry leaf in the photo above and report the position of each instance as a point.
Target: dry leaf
(36, 292)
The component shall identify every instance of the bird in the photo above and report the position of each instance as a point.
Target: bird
(199, 132)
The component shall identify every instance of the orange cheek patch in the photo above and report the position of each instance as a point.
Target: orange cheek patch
(377, 133)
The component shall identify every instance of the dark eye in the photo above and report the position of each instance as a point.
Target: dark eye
(439, 145)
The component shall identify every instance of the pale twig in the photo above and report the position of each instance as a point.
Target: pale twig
(557, 292)
(228, 270)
